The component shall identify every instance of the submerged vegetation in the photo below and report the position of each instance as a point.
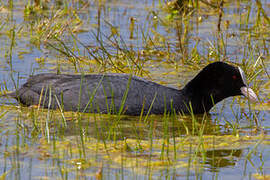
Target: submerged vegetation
(167, 42)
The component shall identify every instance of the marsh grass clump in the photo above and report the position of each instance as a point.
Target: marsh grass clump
(192, 152)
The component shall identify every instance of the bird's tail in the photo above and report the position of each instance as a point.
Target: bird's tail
(9, 94)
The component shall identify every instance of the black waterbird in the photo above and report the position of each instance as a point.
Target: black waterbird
(132, 95)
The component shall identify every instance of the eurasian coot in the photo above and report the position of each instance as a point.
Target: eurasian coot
(132, 95)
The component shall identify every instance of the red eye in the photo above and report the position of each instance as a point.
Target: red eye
(234, 77)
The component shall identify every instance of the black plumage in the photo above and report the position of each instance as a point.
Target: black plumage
(106, 93)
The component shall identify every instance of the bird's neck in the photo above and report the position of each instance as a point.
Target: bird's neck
(198, 97)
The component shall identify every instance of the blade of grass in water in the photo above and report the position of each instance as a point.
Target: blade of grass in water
(93, 96)
(47, 132)
(150, 108)
(123, 101)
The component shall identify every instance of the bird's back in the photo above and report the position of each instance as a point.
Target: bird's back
(99, 93)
